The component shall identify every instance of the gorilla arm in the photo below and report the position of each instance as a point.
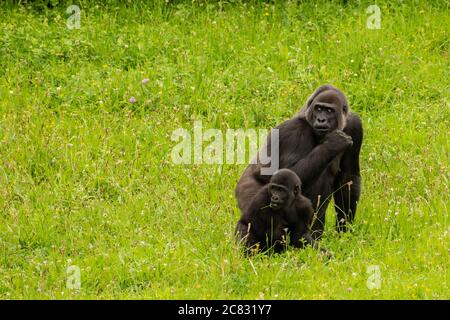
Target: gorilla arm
(312, 166)
(250, 219)
(346, 198)
(300, 228)
(298, 153)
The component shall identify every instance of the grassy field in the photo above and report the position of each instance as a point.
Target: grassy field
(86, 177)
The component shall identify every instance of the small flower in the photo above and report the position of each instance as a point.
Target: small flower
(132, 100)
(145, 80)
(349, 289)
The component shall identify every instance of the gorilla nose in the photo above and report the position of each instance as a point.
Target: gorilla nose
(275, 198)
(321, 124)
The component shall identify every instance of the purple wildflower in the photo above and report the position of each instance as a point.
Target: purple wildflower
(132, 100)
(145, 80)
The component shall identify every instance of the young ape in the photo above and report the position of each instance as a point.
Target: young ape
(277, 210)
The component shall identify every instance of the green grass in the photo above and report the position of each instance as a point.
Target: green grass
(86, 178)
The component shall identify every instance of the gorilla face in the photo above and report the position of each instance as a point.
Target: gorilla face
(324, 118)
(283, 188)
(326, 110)
(280, 196)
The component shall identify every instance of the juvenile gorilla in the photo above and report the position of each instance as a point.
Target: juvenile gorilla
(321, 145)
(277, 211)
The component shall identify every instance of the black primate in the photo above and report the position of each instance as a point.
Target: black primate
(277, 213)
(321, 145)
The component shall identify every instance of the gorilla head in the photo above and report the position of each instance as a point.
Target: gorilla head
(283, 188)
(326, 110)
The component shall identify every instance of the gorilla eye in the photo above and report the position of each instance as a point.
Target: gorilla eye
(329, 110)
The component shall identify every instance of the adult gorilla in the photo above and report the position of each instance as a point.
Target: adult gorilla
(321, 145)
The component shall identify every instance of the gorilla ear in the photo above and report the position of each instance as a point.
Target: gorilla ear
(296, 189)
(345, 108)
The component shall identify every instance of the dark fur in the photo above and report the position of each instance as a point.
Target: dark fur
(262, 227)
(324, 162)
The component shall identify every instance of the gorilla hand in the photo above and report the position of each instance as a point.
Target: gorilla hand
(338, 141)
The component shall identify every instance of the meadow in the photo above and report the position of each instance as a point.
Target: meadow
(86, 177)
